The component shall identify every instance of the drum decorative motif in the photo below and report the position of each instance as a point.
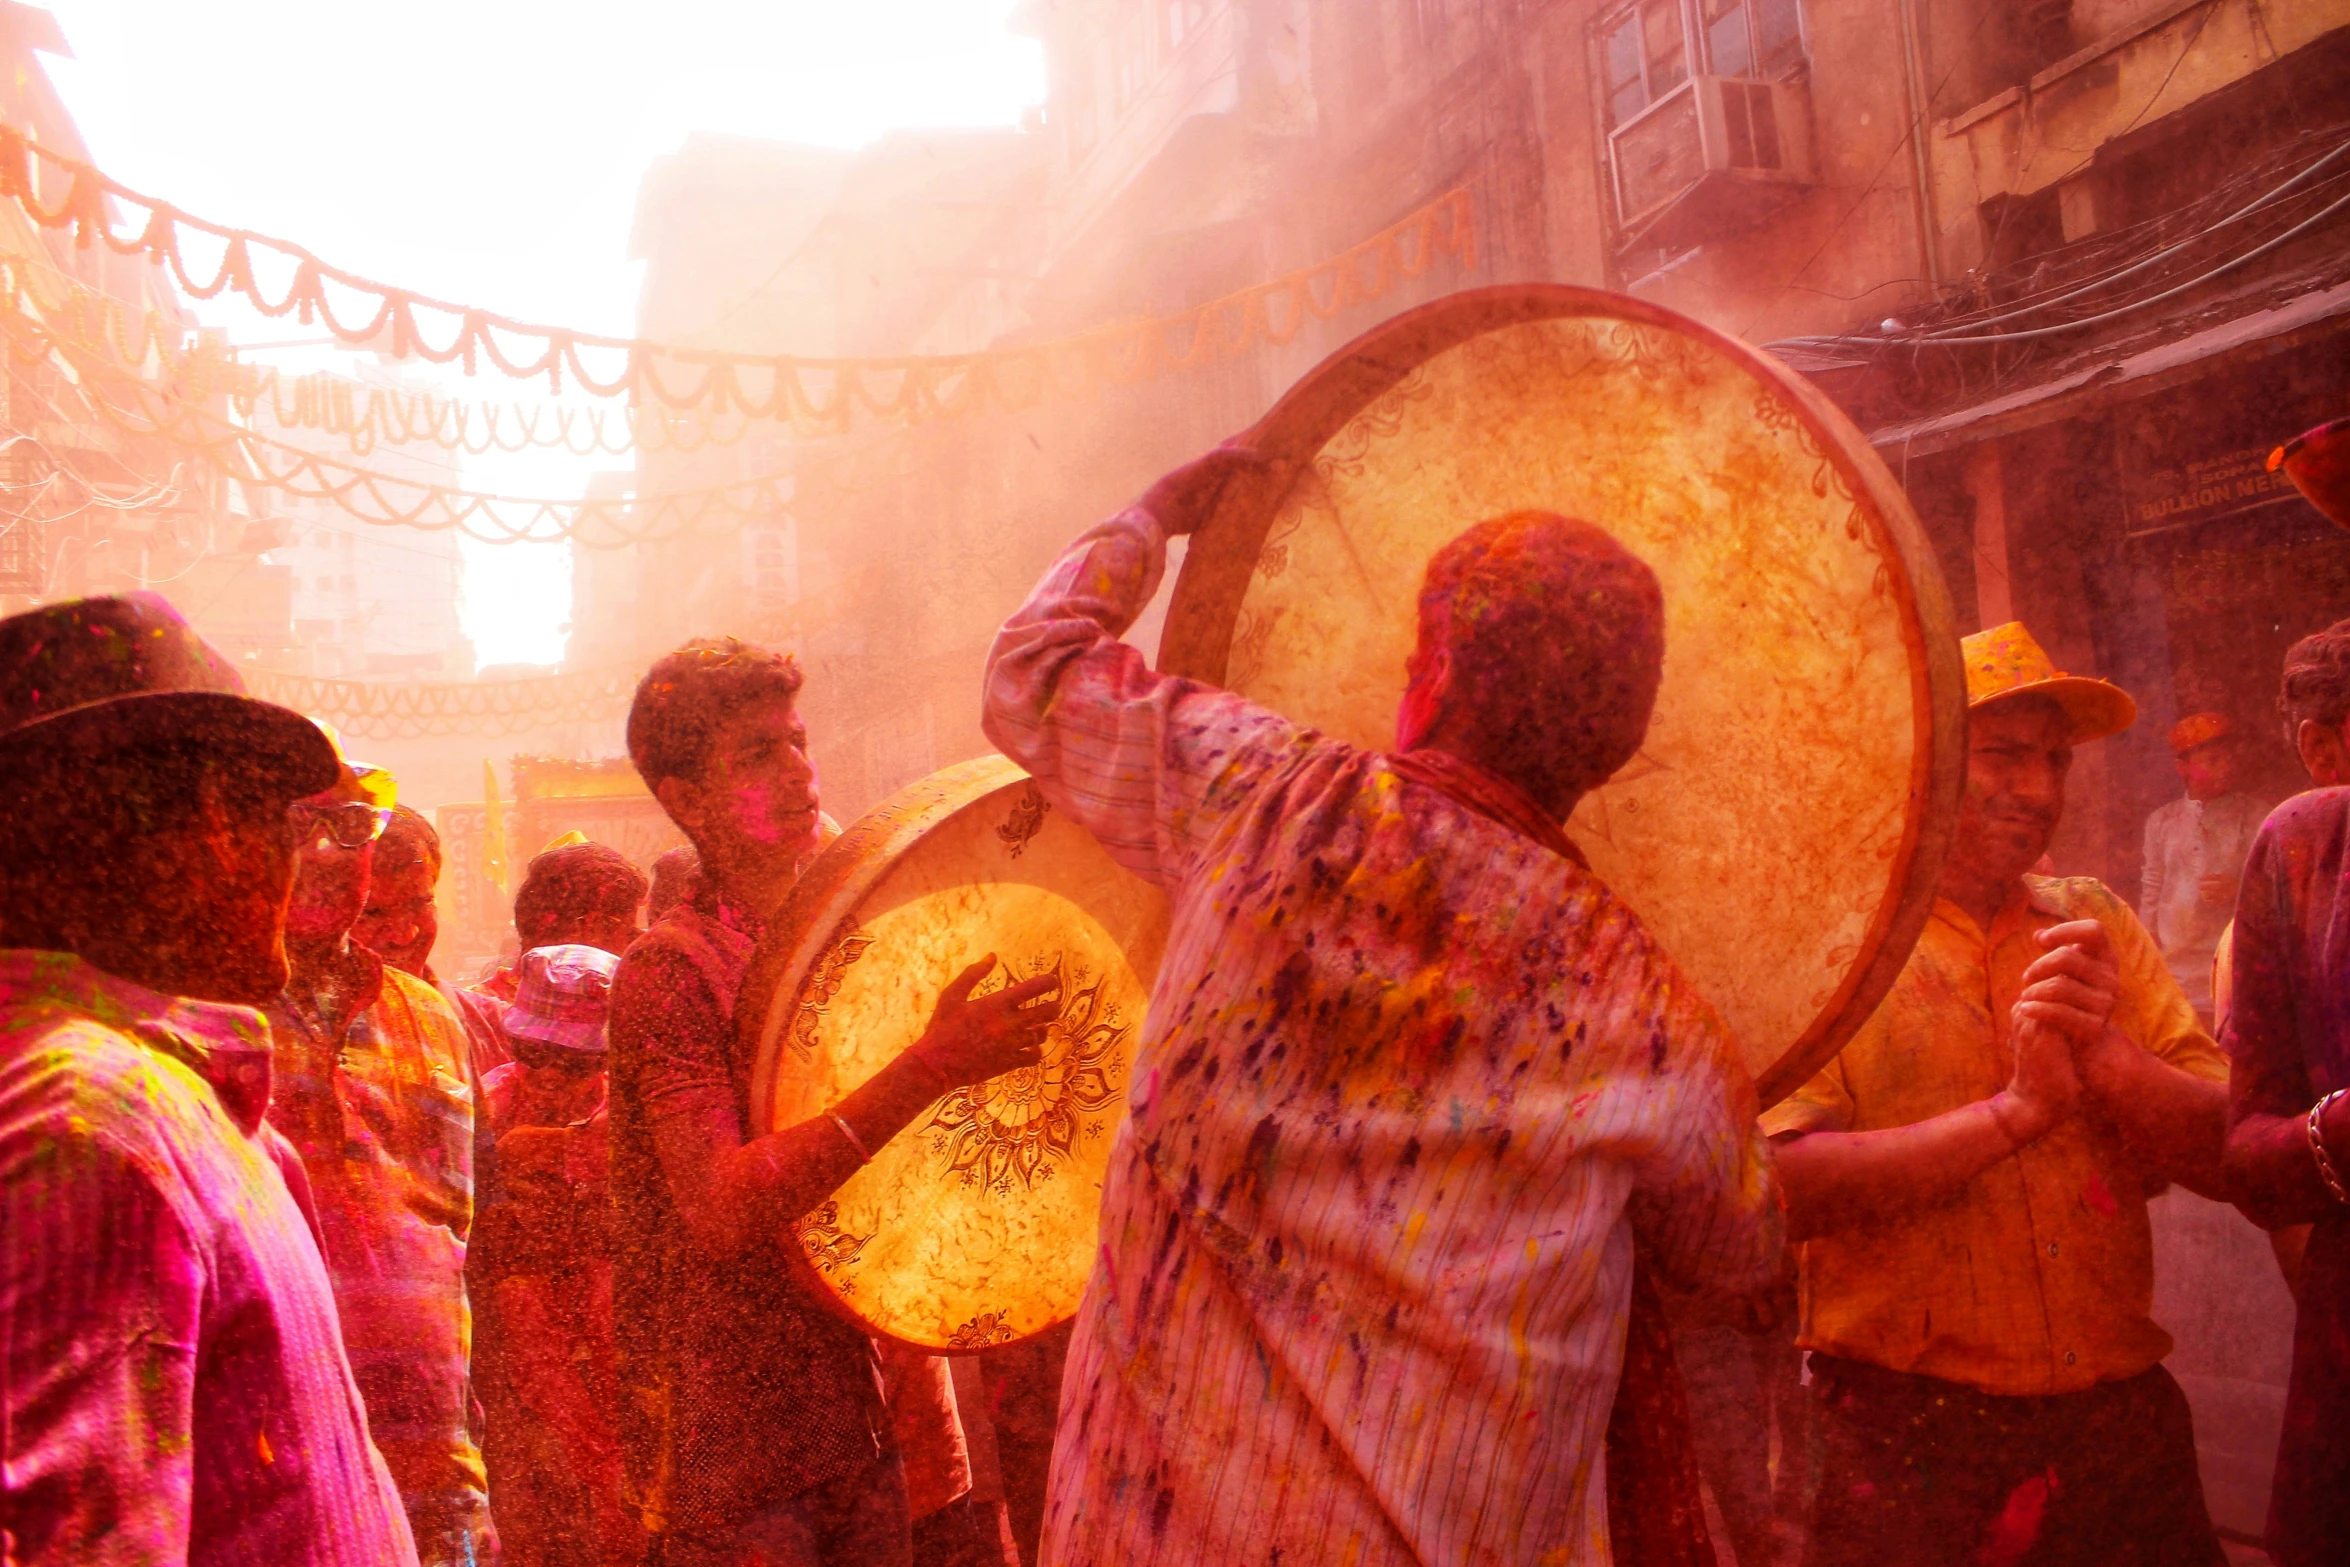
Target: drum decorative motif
(976, 1224)
(1782, 828)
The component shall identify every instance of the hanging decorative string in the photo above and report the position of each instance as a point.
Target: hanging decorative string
(489, 707)
(424, 710)
(142, 408)
(812, 395)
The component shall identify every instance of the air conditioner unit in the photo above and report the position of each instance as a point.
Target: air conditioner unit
(1711, 157)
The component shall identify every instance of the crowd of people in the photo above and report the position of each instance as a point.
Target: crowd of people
(1444, 1226)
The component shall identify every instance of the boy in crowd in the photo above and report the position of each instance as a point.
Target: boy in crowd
(541, 1276)
(754, 1418)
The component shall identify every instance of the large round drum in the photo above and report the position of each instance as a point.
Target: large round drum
(1782, 828)
(976, 1224)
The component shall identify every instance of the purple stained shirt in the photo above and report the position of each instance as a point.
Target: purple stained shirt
(175, 1385)
(2288, 1042)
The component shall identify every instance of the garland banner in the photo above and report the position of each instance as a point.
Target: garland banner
(391, 501)
(407, 712)
(813, 395)
(426, 710)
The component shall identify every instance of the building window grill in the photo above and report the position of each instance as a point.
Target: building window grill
(1646, 51)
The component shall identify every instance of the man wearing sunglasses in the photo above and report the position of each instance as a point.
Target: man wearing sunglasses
(375, 1091)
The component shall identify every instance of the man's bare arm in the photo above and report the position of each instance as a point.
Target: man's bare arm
(733, 1194)
(1840, 1180)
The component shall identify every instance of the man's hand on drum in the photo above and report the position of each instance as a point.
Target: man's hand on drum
(973, 1039)
(1185, 497)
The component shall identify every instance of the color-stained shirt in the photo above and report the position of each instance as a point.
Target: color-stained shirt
(1410, 1087)
(172, 1381)
(2288, 1042)
(739, 1388)
(2039, 1277)
(383, 1119)
(2186, 841)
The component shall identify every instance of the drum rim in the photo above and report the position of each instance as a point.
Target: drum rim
(1203, 612)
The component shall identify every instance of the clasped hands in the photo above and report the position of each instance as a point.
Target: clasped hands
(2062, 1029)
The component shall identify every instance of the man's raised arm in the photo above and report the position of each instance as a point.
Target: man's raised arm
(1128, 753)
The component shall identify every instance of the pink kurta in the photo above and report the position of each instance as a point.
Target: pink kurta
(1411, 1087)
(173, 1388)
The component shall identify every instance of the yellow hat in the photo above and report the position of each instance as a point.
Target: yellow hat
(2005, 662)
(2200, 729)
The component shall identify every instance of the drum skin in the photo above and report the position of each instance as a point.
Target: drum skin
(975, 1225)
(1782, 828)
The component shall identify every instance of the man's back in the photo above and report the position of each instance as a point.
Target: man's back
(1365, 1260)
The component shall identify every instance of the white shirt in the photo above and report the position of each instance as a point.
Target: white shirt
(2187, 840)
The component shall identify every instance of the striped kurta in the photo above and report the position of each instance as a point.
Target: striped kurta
(383, 1119)
(1411, 1089)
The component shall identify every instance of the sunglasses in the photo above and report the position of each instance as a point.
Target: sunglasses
(351, 823)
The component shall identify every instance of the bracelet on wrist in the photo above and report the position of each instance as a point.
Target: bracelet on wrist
(850, 1133)
(2317, 1146)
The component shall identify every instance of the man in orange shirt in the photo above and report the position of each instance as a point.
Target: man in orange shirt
(1968, 1180)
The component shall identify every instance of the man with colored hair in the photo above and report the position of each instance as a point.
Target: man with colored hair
(755, 1419)
(375, 1091)
(2288, 1041)
(1968, 1179)
(2194, 851)
(1414, 1086)
(173, 1387)
(582, 894)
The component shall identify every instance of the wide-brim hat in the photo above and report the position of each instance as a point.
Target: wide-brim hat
(97, 675)
(2005, 662)
(562, 997)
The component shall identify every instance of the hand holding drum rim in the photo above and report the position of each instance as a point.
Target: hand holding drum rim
(1184, 498)
(971, 1040)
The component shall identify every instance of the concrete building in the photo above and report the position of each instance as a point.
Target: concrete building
(90, 504)
(369, 601)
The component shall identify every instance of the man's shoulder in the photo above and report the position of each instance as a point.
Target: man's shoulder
(69, 1079)
(2311, 816)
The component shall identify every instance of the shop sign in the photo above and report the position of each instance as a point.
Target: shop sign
(2192, 489)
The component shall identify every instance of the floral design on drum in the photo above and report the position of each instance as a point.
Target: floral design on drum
(830, 1248)
(986, 1329)
(1024, 1124)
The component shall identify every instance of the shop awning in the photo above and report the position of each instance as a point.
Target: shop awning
(2260, 332)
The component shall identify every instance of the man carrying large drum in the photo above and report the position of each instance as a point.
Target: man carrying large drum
(1413, 1083)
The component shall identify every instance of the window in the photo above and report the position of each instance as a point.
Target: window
(1133, 60)
(1182, 18)
(1644, 49)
